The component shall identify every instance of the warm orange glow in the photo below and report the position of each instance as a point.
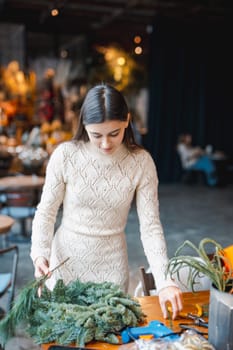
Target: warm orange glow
(121, 61)
(20, 88)
(120, 64)
(54, 12)
(137, 39)
(117, 73)
(109, 54)
(138, 50)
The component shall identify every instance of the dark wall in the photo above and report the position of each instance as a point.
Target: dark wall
(191, 76)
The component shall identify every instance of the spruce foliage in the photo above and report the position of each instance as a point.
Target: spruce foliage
(74, 313)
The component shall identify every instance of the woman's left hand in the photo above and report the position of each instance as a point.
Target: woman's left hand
(172, 295)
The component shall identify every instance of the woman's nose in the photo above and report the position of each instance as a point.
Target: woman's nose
(105, 142)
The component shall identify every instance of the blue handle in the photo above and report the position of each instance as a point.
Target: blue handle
(155, 328)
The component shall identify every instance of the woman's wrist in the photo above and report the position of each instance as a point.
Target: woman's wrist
(40, 259)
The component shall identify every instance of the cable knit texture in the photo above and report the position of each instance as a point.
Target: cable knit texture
(96, 192)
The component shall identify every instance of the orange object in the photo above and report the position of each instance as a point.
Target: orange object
(228, 255)
(183, 314)
(146, 337)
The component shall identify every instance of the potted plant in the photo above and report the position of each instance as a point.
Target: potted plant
(218, 268)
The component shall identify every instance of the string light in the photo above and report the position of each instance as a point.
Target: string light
(121, 61)
(137, 39)
(138, 50)
(54, 12)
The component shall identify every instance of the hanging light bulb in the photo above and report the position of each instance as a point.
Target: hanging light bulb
(54, 12)
(137, 39)
(138, 50)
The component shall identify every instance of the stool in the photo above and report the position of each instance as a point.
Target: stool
(6, 222)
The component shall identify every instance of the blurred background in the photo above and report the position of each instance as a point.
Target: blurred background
(172, 60)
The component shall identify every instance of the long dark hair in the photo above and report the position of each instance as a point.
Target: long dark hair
(104, 102)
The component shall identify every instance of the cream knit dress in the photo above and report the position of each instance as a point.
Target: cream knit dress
(96, 192)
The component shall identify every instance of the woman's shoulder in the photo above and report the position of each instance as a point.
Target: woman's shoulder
(68, 146)
(144, 164)
(141, 153)
(65, 150)
(142, 157)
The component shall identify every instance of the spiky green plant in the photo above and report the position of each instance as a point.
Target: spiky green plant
(214, 268)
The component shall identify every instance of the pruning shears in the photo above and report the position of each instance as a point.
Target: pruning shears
(182, 314)
(198, 321)
(192, 327)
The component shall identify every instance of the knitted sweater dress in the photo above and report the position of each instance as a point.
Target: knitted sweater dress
(96, 192)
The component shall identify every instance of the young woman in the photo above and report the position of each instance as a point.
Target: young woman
(95, 178)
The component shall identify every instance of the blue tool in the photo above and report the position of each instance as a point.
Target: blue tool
(155, 328)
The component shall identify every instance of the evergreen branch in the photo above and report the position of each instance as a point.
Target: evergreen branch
(77, 312)
(23, 306)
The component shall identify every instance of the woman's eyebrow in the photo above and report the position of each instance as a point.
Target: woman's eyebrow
(113, 131)
(99, 133)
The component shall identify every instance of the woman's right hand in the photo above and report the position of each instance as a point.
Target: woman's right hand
(41, 267)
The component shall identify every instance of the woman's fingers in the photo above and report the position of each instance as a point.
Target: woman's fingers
(41, 267)
(172, 296)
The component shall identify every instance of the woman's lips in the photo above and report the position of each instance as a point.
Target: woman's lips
(107, 150)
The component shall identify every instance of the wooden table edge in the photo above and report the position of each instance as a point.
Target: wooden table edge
(8, 222)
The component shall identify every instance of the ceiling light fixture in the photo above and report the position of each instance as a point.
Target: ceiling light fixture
(54, 12)
(137, 39)
(138, 50)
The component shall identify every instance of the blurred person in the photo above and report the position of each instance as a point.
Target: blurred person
(195, 158)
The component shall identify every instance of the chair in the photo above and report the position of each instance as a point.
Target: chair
(189, 176)
(147, 281)
(8, 276)
(20, 205)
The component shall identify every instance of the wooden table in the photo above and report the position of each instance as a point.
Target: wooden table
(21, 182)
(151, 308)
(28, 188)
(6, 222)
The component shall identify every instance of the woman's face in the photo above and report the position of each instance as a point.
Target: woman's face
(188, 139)
(107, 136)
